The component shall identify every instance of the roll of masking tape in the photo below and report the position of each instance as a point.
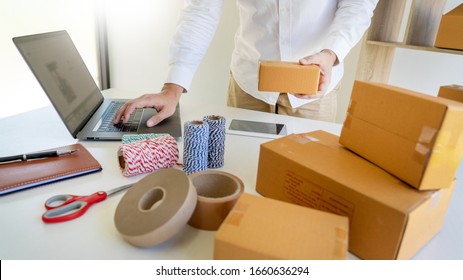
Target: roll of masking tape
(156, 208)
(217, 192)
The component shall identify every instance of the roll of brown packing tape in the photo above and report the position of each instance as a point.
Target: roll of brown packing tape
(217, 192)
(156, 208)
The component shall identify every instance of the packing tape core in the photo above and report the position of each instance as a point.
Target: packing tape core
(155, 208)
(217, 192)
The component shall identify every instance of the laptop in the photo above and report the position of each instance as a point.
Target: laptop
(60, 70)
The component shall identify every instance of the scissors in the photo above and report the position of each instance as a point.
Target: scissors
(65, 207)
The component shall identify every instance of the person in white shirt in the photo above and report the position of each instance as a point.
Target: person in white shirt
(307, 31)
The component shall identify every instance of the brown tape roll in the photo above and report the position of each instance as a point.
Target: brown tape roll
(156, 208)
(217, 192)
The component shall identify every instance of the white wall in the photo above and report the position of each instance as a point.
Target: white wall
(139, 35)
(19, 90)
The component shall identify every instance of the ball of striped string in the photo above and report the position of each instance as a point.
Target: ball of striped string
(216, 152)
(148, 155)
(195, 146)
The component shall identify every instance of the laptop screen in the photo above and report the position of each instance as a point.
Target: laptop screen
(61, 72)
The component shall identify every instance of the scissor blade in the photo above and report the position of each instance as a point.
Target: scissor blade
(119, 189)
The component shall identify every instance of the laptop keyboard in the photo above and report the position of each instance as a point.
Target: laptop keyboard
(108, 117)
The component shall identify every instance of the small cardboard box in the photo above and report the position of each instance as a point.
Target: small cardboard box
(450, 30)
(414, 136)
(262, 228)
(281, 76)
(452, 92)
(387, 218)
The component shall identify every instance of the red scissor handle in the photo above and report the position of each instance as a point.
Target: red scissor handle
(71, 206)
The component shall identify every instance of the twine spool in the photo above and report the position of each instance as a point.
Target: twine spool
(129, 138)
(216, 152)
(148, 155)
(195, 147)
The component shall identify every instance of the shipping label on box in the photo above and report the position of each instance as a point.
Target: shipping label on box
(416, 137)
(262, 228)
(304, 192)
(291, 77)
(388, 219)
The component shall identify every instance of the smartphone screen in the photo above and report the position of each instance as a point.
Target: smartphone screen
(258, 127)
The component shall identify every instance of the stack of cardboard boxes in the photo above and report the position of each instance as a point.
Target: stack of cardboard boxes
(391, 172)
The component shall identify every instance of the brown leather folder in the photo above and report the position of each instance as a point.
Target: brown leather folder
(15, 176)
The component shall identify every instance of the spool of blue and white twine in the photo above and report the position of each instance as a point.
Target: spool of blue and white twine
(195, 146)
(216, 152)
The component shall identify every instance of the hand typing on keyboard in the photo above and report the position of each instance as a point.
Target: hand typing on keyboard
(164, 102)
(131, 125)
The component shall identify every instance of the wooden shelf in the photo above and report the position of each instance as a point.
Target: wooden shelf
(413, 47)
(383, 38)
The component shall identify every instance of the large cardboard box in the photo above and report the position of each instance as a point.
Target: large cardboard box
(452, 92)
(282, 76)
(414, 136)
(450, 30)
(262, 228)
(387, 218)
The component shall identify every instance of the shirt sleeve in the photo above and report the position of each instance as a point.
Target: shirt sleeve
(352, 19)
(195, 29)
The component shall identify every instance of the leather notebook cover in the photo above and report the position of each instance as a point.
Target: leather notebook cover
(21, 175)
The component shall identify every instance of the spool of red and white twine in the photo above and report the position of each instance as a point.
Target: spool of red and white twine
(148, 155)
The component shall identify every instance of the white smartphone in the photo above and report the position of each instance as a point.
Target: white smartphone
(254, 128)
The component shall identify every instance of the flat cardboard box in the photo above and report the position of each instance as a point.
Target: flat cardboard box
(261, 228)
(282, 76)
(387, 218)
(450, 30)
(452, 92)
(414, 136)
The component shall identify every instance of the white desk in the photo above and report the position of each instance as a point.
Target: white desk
(23, 235)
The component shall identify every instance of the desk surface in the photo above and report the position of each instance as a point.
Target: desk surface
(23, 235)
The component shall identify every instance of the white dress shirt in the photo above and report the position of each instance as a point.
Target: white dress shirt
(285, 30)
